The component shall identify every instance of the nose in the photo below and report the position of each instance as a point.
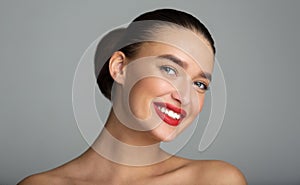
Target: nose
(182, 94)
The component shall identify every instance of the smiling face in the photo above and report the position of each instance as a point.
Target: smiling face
(175, 88)
(163, 87)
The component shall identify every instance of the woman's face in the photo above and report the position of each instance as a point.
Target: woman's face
(164, 88)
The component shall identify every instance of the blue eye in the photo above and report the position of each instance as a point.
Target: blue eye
(201, 86)
(169, 70)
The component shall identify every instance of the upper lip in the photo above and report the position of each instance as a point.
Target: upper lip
(172, 107)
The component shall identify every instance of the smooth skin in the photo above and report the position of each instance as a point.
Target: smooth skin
(91, 168)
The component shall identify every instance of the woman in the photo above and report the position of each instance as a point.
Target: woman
(156, 76)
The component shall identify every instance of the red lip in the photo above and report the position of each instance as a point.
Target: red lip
(167, 119)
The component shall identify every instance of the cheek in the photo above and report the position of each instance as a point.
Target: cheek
(143, 92)
(201, 102)
(198, 104)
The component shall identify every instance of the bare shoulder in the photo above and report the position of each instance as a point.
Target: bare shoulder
(61, 175)
(217, 172)
(44, 179)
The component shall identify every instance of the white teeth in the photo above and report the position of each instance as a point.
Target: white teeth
(170, 113)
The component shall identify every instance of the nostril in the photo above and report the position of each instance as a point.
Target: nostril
(175, 95)
(183, 98)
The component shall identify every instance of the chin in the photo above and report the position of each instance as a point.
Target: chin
(164, 133)
(168, 139)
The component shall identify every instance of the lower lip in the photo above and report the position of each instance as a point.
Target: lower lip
(167, 119)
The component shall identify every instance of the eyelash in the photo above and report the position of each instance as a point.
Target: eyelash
(200, 85)
(168, 69)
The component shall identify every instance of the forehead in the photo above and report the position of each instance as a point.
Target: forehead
(180, 42)
(156, 53)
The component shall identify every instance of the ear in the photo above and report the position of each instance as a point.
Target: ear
(117, 64)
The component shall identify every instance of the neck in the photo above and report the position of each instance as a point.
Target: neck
(123, 145)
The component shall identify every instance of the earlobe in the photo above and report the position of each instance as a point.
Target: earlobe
(117, 66)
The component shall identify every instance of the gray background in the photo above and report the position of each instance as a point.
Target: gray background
(257, 46)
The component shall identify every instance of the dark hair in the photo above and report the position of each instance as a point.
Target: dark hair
(104, 79)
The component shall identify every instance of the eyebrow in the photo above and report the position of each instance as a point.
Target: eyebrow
(179, 62)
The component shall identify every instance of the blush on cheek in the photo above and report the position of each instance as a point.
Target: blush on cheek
(137, 100)
(154, 86)
(143, 93)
